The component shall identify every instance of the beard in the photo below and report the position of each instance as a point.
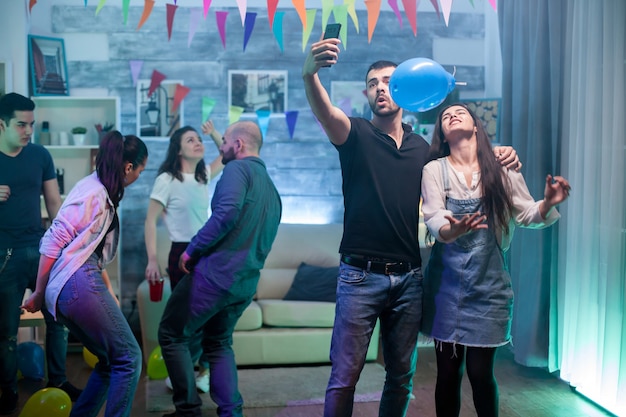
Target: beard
(386, 112)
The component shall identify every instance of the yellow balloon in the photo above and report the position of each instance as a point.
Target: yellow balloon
(90, 358)
(49, 402)
(156, 365)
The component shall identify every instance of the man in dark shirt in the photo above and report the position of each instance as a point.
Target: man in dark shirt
(222, 262)
(380, 274)
(26, 172)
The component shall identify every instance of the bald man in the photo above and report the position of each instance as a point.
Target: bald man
(222, 263)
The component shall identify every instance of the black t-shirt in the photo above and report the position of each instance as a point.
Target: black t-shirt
(381, 188)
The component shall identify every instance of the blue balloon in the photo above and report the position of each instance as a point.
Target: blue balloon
(30, 360)
(420, 84)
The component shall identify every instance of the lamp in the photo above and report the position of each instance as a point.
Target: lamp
(153, 113)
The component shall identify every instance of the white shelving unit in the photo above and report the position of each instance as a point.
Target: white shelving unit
(63, 113)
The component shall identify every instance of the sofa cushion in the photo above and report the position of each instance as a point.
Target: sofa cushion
(314, 283)
(250, 318)
(282, 313)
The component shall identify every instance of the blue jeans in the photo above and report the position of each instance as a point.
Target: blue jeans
(198, 306)
(91, 313)
(19, 273)
(362, 298)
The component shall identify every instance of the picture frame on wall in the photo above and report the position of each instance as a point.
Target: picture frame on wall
(487, 110)
(255, 90)
(6, 80)
(48, 66)
(353, 96)
(156, 115)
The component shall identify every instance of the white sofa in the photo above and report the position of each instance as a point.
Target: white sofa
(271, 330)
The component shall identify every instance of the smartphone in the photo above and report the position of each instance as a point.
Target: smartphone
(332, 30)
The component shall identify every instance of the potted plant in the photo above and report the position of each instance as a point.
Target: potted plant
(78, 134)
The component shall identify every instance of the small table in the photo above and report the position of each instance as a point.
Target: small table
(36, 320)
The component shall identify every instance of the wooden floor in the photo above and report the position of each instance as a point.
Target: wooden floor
(524, 392)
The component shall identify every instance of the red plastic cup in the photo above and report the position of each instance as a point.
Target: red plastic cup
(156, 291)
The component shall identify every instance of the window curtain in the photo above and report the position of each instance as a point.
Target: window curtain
(563, 99)
(531, 39)
(591, 284)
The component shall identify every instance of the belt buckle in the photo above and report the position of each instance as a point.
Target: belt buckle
(387, 265)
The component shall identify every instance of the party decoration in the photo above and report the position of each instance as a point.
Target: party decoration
(171, 11)
(155, 81)
(135, 70)
(271, 11)
(446, 7)
(394, 6)
(351, 8)
(290, 118)
(100, 6)
(373, 11)
(410, 9)
(194, 19)
(436, 6)
(243, 6)
(31, 4)
(125, 6)
(302, 12)
(493, 5)
(308, 28)
(30, 360)
(327, 8)
(278, 29)
(248, 27)
(49, 402)
(220, 19)
(234, 113)
(207, 107)
(89, 358)
(264, 121)
(341, 16)
(420, 84)
(179, 95)
(147, 10)
(156, 365)
(206, 4)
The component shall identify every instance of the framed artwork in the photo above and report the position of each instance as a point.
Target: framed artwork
(6, 81)
(156, 116)
(48, 68)
(255, 90)
(487, 110)
(351, 95)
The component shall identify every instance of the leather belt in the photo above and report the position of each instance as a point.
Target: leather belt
(377, 267)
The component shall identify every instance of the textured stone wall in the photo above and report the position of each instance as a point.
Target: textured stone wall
(305, 168)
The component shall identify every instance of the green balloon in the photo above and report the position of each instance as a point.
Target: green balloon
(49, 402)
(156, 365)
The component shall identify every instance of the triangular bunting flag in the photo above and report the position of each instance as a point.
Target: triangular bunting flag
(350, 7)
(302, 12)
(98, 8)
(234, 114)
(248, 27)
(306, 29)
(220, 19)
(155, 81)
(394, 6)
(243, 6)
(271, 11)
(135, 70)
(194, 18)
(341, 16)
(278, 29)
(147, 10)
(171, 11)
(410, 10)
(446, 7)
(290, 118)
(373, 11)
(179, 95)
(125, 5)
(264, 121)
(206, 4)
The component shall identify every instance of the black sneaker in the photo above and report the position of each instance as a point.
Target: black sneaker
(70, 389)
(8, 402)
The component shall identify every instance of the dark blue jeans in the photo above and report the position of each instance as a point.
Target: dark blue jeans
(198, 306)
(91, 313)
(19, 273)
(362, 298)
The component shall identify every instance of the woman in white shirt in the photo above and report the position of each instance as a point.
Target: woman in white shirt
(181, 196)
(471, 205)
(81, 240)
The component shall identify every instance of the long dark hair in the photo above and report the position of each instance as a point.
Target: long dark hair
(115, 151)
(172, 164)
(494, 182)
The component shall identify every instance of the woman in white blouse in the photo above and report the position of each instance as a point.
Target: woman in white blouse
(471, 205)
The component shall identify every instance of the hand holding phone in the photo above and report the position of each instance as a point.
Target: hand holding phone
(332, 32)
